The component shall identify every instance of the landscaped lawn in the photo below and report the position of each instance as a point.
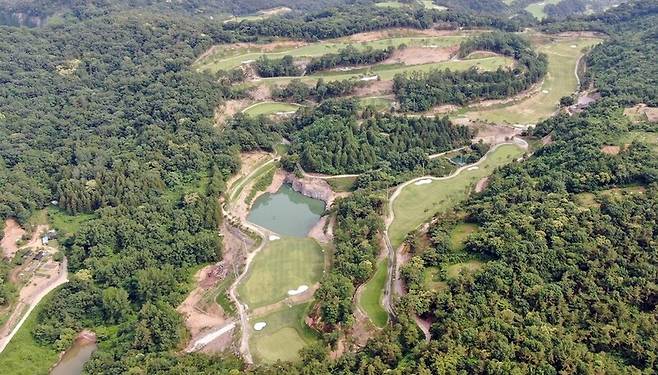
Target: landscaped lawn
(268, 108)
(371, 296)
(283, 265)
(283, 336)
(416, 204)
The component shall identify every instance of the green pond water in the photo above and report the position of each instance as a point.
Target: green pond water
(286, 212)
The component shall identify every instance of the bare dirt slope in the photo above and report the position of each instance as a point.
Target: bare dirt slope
(12, 233)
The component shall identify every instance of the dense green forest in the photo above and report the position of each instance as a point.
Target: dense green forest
(335, 143)
(106, 116)
(420, 91)
(349, 56)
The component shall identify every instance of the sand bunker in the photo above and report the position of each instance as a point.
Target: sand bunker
(544, 91)
(473, 168)
(372, 78)
(274, 238)
(259, 326)
(301, 289)
(424, 181)
(573, 46)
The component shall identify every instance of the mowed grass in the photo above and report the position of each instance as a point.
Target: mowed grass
(268, 108)
(537, 9)
(379, 103)
(23, 356)
(284, 335)
(371, 296)
(560, 81)
(230, 57)
(281, 266)
(341, 184)
(416, 204)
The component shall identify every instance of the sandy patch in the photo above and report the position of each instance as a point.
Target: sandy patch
(200, 315)
(376, 88)
(12, 233)
(300, 289)
(259, 326)
(482, 184)
(228, 109)
(424, 181)
(261, 92)
(421, 55)
(494, 134)
(473, 168)
(547, 140)
(611, 150)
(366, 79)
(544, 91)
(396, 32)
(274, 238)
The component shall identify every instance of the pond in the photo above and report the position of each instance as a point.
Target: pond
(286, 212)
(74, 359)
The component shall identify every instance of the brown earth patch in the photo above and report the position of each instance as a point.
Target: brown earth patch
(494, 134)
(261, 92)
(197, 314)
(381, 34)
(421, 55)
(611, 150)
(375, 88)
(482, 184)
(547, 140)
(12, 233)
(228, 109)
(642, 112)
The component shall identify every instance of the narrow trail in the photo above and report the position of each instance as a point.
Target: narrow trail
(393, 267)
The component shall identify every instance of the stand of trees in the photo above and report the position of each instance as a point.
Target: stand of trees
(334, 144)
(421, 91)
(284, 67)
(297, 91)
(349, 56)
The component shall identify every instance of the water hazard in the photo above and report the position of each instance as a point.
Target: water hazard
(286, 212)
(74, 359)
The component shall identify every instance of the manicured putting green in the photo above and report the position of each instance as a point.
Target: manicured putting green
(269, 108)
(283, 265)
(371, 297)
(416, 204)
(560, 81)
(284, 335)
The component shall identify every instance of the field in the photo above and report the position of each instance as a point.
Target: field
(560, 81)
(469, 266)
(649, 138)
(371, 296)
(229, 57)
(268, 108)
(283, 336)
(416, 204)
(65, 223)
(283, 265)
(23, 356)
(341, 184)
(537, 9)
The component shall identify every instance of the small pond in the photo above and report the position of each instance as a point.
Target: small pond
(74, 359)
(286, 212)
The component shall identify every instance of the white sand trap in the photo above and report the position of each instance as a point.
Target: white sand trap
(273, 237)
(544, 91)
(573, 46)
(473, 168)
(424, 181)
(259, 326)
(301, 289)
(248, 61)
(368, 78)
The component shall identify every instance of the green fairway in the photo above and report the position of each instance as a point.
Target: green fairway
(229, 57)
(537, 9)
(268, 108)
(281, 266)
(23, 356)
(283, 336)
(560, 81)
(416, 204)
(390, 4)
(371, 296)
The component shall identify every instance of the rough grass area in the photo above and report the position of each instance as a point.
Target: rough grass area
(68, 224)
(560, 81)
(649, 138)
(228, 57)
(283, 336)
(469, 266)
(537, 9)
(282, 265)
(416, 204)
(342, 184)
(23, 356)
(379, 103)
(371, 296)
(590, 199)
(460, 233)
(270, 108)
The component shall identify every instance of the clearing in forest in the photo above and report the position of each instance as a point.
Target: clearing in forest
(561, 80)
(417, 203)
(284, 334)
(284, 265)
(269, 108)
(537, 9)
(370, 300)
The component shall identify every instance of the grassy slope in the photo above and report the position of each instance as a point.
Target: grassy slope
(23, 356)
(372, 295)
(267, 108)
(283, 265)
(283, 337)
(537, 9)
(416, 204)
(560, 81)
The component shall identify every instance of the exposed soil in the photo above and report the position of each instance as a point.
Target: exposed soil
(228, 109)
(482, 184)
(382, 34)
(421, 55)
(611, 150)
(494, 134)
(375, 88)
(220, 344)
(443, 109)
(261, 92)
(199, 315)
(12, 233)
(547, 140)
(248, 160)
